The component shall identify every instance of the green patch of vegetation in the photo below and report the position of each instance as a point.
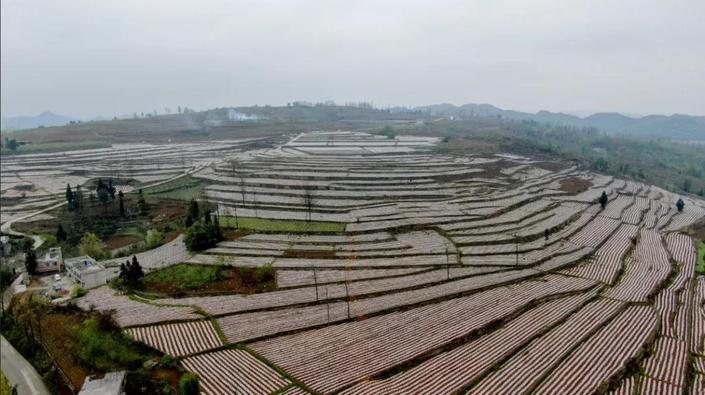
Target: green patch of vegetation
(700, 265)
(5, 386)
(104, 349)
(257, 275)
(279, 225)
(188, 384)
(387, 132)
(184, 188)
(56, 147)
(77, 292)
(119, 224)
(671, 165)
(185, 275)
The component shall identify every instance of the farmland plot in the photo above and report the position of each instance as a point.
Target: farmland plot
(402, 270)
(234, 372)
(178, 339)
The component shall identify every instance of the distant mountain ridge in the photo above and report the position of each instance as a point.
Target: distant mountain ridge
(29, 122)
(677, 126)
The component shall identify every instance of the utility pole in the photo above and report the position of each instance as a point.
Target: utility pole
(347, 297)
(237, 226)
(315, 281)
(516, 243)
(447, 264)
(327, 305)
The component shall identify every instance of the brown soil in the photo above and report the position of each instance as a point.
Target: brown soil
(56, 329)
(234, 281)
(551, 166)
(171, 376)
(312, 254)
(121, 241)
(234, 234)
(493, 169)
(575, 185)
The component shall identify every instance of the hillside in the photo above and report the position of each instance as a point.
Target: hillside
(44, 119)
(484, 128)
(216, 123)
(677, 126)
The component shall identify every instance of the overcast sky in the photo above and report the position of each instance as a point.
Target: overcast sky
(86, 58)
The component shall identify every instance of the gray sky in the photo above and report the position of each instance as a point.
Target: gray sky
(87, 57)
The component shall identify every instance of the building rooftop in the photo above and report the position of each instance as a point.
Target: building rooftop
(83, 264)
(110, 384)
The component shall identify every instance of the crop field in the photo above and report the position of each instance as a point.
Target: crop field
(401, 271)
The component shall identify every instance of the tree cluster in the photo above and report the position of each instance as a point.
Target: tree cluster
(92, 246)
(74, 199)
(141, 202)
(11, 144)
(131, 273)
(203, 233)
(105, 192)
(30, 260)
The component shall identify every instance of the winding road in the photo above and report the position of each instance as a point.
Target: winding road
(19, 372)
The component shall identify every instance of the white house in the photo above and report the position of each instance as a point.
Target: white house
(86, 271)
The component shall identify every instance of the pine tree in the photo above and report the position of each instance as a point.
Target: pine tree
(124, 275)
(141, 202)
(121, 197)
(78, 198)
(193, 210)
(30, 261)
(60, 233)
(69, 196)
(135, 272)
(111, 189)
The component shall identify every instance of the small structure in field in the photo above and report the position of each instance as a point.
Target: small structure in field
(110, 384)
(86, 271)
(51, 262)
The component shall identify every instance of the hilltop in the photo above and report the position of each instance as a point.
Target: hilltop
(677, 126)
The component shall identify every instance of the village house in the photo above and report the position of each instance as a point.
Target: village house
(51, 262)
(86, 271)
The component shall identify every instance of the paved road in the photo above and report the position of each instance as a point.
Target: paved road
(18, 371)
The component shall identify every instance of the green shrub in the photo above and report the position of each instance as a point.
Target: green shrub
(104, 350)
(201, 236)
(77, 292)
(264, 273)
(167, 361)
(153, 238)
(92, 246)
(188, 384)
(185, 276)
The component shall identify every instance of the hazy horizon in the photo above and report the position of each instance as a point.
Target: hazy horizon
(88, 59)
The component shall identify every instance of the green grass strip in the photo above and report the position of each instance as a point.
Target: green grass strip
(280, 225)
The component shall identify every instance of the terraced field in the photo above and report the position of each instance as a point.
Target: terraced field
(36, 181)
(437, 274)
